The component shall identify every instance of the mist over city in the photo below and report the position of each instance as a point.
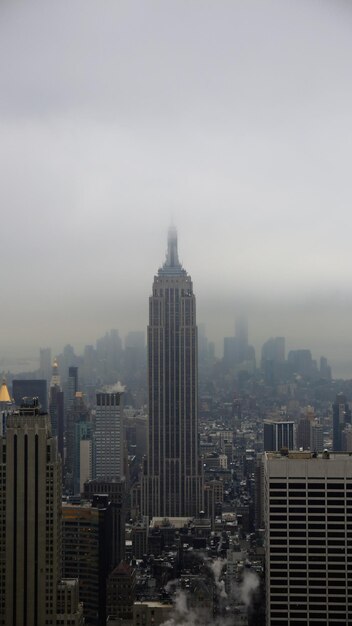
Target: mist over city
(232, 120)
(175, 338)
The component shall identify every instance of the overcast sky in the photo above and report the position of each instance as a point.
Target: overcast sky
(233, 118)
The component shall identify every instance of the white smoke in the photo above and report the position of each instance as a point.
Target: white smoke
(248, 587)
(241, 593)
(115, 388)
(183, 616)
(216, 567)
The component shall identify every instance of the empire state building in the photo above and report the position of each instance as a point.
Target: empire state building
(172, 483)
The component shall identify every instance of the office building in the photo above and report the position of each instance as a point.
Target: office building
(116, 490)
(273, 350)
(308, 529)
(341, 415)
(30, 389)
(278, 435)
(83, 458)
(172, 481)
(86, 530)
(77, 414)
(241, 333)
(71, 386)
(108, 436)
(45, 363)
(56, 408)
(121, 592)
(30, 524)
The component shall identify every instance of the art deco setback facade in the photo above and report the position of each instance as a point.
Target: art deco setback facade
(172, 483)
(32, 592)
(308, 524)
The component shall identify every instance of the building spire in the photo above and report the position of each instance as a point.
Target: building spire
(172, 259)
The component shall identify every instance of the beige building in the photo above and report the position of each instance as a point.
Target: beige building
(308, 538)
(30, 523)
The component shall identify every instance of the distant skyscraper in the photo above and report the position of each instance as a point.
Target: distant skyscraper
(241, 327)
(108, 436)
(56, 408)
(341, 415)
(45, 363)
(278, 435)
(72, 386)
(308, 521)
(31, 590)
(172, 482)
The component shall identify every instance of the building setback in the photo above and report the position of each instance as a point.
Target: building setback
(172, 481)
(31, 590)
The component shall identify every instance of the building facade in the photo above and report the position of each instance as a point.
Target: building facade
(108, 437)
(172, 482)
(30, 522)
(86, 531)
(278, 435)
(308, 529)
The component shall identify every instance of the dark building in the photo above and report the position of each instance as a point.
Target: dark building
(121, 592)
(278, 435)
(56, 408)
(172, 481)
(116, 490)
(86, 529)
(76, 414)
(341, 415)
(301, 362)
(32, 592)
(72, 386)
(30, 389)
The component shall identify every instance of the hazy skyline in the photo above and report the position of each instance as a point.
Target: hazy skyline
(233, 118)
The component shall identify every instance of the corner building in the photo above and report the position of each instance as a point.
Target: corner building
(308, 544)
(172, 481)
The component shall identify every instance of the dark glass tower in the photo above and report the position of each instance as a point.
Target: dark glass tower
(172, 481)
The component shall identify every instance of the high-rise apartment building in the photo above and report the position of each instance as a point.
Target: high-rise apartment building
(172, 482)
(308, 526)
(30, 523)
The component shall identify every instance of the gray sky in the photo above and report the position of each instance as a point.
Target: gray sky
(232, 117)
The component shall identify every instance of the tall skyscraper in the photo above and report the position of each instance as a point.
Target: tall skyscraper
(172, 482)
(308, 526)
(45, 363)
(56, 407)
(31, 589)
(108, 436)
(241, 328)
(341, 416)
